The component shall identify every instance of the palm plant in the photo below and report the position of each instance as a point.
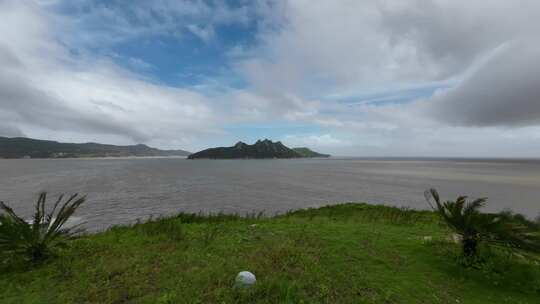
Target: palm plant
(502, 229)
(35, 239)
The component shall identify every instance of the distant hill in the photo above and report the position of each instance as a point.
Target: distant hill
(306, 152)
(261, 149)
(19, 147)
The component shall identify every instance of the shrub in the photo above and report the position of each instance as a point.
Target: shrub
(503, 229)
(34, 240)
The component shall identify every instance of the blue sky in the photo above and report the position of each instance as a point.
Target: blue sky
(366, 78)
(187, 53)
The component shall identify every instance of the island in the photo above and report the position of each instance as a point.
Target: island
(21, 147)
(306, 152)
(261, 149)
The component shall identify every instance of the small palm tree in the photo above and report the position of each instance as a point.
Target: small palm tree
(34, 240)
(502, 229)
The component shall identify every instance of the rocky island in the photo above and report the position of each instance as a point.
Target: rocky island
(261, 149)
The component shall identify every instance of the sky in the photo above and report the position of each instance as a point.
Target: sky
(447, 78)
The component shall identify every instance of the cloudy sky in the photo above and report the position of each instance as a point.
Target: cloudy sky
(347, 77)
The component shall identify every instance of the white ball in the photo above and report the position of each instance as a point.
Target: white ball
(245, 278)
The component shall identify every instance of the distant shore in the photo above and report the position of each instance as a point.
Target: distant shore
(96, 158)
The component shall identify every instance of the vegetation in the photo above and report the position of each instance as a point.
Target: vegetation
(261, 149)
(35, 241)
(19, 147)
(306, 152)
(350, 253)
(504, 229)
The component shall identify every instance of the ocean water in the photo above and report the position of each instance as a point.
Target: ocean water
(120, 191)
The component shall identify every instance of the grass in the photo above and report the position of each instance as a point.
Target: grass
(350, 253)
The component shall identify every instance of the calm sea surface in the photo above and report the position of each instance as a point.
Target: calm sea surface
(123, 190)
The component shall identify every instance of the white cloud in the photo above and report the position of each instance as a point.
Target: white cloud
(504, 91)
(323, 141)
(347, 48)
(331, 46)
(43, 90)
(244, 105)
(139, 64)
(96, 24)
(206, 34)
(308, 57)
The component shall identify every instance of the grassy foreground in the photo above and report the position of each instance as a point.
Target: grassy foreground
(350, 253)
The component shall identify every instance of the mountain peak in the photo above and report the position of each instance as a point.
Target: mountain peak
(260, 149)
(240, 145)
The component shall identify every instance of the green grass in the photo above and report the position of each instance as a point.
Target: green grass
(351, 253)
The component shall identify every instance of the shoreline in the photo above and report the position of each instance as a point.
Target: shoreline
(99, 158)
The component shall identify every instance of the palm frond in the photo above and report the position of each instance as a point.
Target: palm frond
(36, 239)
(504, 229)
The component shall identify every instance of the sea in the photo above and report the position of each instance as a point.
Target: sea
(124, 190)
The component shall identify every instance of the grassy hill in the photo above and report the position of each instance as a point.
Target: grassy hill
(19, 147)
(306, 152)
(351, 253)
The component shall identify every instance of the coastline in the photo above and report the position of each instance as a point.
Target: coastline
(98, 158)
